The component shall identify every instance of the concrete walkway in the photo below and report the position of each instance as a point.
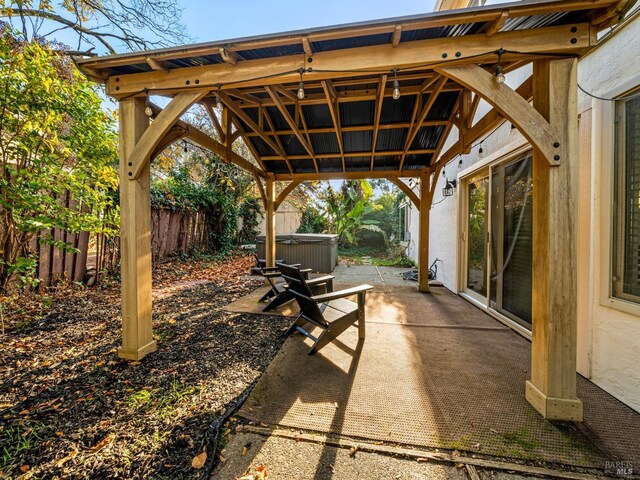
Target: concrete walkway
(434, 373)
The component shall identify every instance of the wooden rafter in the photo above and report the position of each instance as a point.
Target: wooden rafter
(331, 96)
(214, 120)
(229, 56)
(303, 121)
(182, 129)
(360, 128)
(285, 113)
(489, 122)
(413, 131)
(272, 130)
(231, 105)
(378, 112)
(396, 36)
(157, 65)
(494, 26)
(248, 143)
(351, 154)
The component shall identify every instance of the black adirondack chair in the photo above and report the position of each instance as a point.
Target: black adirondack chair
(279, 294)
(331, 311)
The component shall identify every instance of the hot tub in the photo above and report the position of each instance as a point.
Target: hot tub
(312, 250)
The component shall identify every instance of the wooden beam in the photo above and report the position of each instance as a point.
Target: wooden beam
(251, 124)
(135, 236)
(286, 177)
(552, 388)
(376, 121)
(229, 56)
(421, 118)
(140, 155)
(489, 122)
(495, 25)
(306, 132)
(157, 65)
(182, 129)
(270, 219)
(360, 128)
(285, 113)
(261, 191)
(411, 195)
(272, 131)
(397, 35)
(420, 55)
(214, 120)
(248, 143)
(352, 154)
(306, 46)
(451, 5)
(511, 105)
(285, 193)
(423, 235)
(331, 97)
(176, 133)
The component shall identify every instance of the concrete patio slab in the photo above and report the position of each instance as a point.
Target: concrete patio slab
(435, 372)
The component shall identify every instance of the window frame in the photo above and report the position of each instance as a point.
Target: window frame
(618, 205)
(604, 141)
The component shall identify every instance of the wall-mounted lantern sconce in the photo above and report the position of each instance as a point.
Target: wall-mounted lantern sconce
(449, 187)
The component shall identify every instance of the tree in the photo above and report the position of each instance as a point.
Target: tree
(347, 210)
(106, 24)
(54, 138)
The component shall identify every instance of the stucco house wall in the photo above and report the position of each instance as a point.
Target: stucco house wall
(608, 329)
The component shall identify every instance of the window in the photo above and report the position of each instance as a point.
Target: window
(626, 241)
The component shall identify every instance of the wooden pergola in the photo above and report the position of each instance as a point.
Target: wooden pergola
(380, 99)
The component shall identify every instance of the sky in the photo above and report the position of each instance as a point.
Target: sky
(218, 20)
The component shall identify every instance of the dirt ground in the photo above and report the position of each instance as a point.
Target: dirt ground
(70, 408)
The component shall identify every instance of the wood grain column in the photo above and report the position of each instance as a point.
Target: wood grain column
(552, 388)
(423, 241)
(135, 238)
(270, 230)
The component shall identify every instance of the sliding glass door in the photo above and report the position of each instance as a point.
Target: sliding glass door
(477, 240)
(499, 239)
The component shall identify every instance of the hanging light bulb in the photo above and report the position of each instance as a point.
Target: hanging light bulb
(218, 103)
(460, 163)
(301, 90)
(186, 148)
(514, 129)
(481, 152)
(396, 85)
(148, 111)
(500, 77)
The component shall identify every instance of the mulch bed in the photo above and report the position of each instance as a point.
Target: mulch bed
(70, 408)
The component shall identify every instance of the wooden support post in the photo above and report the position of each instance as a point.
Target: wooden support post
(423, 252)
(270, 219)
(135, 237)
(552, 388)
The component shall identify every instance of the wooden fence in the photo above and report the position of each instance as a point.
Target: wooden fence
(173, 233)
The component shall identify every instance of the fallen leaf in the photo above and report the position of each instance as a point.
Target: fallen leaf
(64, 460)
(199, 460)
(24, 412)
(102, 443)
(24, 468)
(172, 320)
(244, 451)
(60, 434)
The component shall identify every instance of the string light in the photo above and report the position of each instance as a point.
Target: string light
(148, 111)
(514, 129)
(301, 86)
(500, 76)
(218, 100)
(396, 85)
(186, 147)
(481, 152)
